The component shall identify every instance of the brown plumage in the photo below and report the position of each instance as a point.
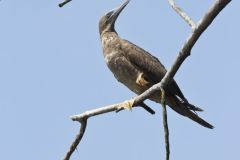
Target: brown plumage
(138, 70)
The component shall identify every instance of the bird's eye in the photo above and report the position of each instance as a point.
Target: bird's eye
(108, 15)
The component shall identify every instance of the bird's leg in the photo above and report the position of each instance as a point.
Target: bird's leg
(141, 80)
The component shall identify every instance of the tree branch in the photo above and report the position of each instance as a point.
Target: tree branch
(183, 54)
(63, 3)
(165, 125)
(82, 118)
(194, 36)
(182, 14)
(77, 140)
(106, 109)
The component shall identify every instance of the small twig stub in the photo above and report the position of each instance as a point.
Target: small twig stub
(63, 3)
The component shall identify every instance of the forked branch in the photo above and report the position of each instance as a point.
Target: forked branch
(82, 118)
(138, 100)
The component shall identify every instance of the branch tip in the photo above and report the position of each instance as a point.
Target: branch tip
(63, 3)
(77, 140)
(182, 14)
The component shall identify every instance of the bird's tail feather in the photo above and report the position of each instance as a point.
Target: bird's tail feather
(185, 110)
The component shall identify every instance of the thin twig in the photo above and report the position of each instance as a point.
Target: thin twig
(165, 124)
(77, 140)
(147, 108)
(194, 36)
(63, 3)
(182, 14)
(106, 109)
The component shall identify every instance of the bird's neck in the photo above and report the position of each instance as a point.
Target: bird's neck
(110, 42)
(108, 34)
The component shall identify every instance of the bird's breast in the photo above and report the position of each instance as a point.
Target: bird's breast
(124, 71)
(115, 57)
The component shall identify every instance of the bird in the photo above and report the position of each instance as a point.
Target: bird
(139, 70)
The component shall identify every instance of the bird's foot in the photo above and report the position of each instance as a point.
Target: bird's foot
(141, 80)
(127, 105)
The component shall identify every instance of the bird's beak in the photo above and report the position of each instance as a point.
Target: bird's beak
(117, 11)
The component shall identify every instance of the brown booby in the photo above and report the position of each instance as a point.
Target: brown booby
(139, 70)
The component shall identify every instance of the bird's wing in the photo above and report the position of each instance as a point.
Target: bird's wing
(150, 66)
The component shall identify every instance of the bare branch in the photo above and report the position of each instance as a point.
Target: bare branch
(147, 108)
(82, 118)
(182, 14)
(165, 124)
(63, 3)
(111, 108)
(183, 54)
(186, 49)
(77, 139)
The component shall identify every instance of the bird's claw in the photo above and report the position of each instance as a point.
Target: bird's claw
(128, 105)
(141, 80)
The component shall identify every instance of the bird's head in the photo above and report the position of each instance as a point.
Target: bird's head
(106, 23)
